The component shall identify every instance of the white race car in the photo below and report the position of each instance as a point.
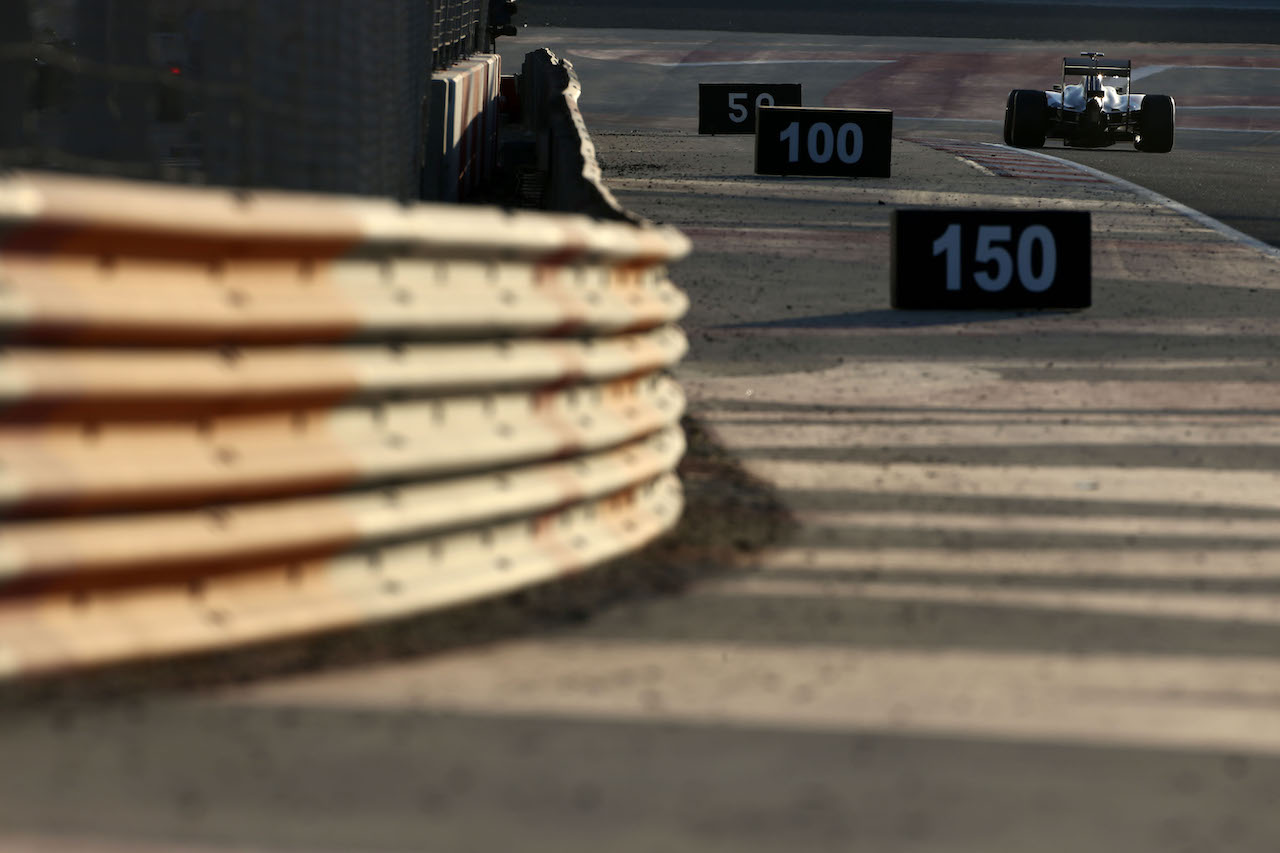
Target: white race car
(1098, 111)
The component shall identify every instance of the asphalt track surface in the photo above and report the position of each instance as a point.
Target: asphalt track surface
(1227, 160)
(987, 583)
(1241, 21)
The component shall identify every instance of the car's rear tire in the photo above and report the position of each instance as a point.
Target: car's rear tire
(1030, 118)
(1155, 124)
(1008, 119)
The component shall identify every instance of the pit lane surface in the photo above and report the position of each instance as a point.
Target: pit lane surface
(965, 583)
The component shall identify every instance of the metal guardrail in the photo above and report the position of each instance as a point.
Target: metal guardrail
(76, 628)
(234, 417)
(459, 28)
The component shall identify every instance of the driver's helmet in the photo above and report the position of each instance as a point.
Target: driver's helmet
(1093, 85)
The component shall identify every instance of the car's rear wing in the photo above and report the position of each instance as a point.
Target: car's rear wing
(1110, 68)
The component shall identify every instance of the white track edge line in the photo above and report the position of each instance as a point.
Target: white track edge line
(1258, 130)
(1156, 198)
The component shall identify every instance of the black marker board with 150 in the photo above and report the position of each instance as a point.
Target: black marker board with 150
(990, 259)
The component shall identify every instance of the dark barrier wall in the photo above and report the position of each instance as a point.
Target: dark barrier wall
(293, 94)
(16, 73)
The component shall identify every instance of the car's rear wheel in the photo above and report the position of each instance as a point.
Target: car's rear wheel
(1008, 119)
(1030, 118)
(1155, 124)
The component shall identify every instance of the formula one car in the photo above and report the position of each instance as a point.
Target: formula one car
(1098, 111)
